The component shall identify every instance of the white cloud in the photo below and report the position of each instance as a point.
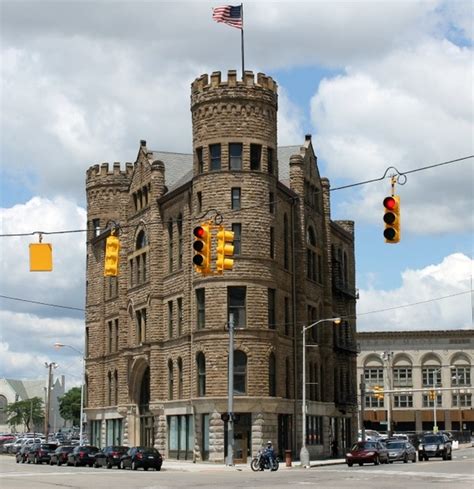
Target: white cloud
(450, 277)
(410, 109)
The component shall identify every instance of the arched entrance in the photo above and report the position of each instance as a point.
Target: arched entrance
(147, 432)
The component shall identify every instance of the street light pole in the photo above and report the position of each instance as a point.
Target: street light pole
(62, 345)
(304, 454)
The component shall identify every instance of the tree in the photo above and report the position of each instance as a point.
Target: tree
(70, 405)
(29, 412)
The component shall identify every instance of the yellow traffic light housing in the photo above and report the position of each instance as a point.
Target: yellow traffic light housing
(391, 219)
(41, 257)
(225, 250)
(378, 392)
(202, 249)
(432, 395)
(112, 249)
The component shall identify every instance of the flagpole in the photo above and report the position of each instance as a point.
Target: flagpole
(242, 38)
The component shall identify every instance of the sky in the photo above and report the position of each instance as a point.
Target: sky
(380, 84)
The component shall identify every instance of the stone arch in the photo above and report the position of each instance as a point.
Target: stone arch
(402, 360)
(460, 358)
(137, 372)
(373, 360)
(432, 359)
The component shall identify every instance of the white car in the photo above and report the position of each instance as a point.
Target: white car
(370, 435)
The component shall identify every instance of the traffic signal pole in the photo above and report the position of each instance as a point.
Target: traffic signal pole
(362, 406)
(230, 399)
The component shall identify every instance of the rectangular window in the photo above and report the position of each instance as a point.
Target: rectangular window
(373, 402)
(271, 309)
(320, 270)
(431, 376)
(215, 155)
(132, 277)
(427, 402)
(272, 243)
(116, 340)
(287, 316)
(199, 202)
(462, 400)
(402, 377)
(235, 198)
(271, 202)
(237, 230)
(235, 156)
(270, 162)
(236, 305)
(200, 307)
(170, 319)
(373, 376)
(96, 226)
(86, 353)
(314, 430)
(255, 156)
(180, 316)
(403, 401)
(200, 161)
(111, 336)
(205, 436)
(460, 376)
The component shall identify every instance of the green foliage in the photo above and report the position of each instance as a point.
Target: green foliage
(70, 405)
(29, 412)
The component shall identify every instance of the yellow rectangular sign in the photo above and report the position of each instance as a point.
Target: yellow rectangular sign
(41, 257)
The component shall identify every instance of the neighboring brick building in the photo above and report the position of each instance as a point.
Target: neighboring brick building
(418, 360)
(156, 338)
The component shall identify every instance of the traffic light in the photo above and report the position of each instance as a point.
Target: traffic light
(225, 250)
(225, 417)
(391, 218)
(378, 392)
(202, 248)
(432, 395)
(112, 249)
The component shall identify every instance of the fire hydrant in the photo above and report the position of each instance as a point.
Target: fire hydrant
(288, 458)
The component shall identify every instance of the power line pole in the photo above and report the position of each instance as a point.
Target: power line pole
(362, 406)
(50, 367)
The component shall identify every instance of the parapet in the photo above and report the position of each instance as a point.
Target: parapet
(263, 82)
(101, 174)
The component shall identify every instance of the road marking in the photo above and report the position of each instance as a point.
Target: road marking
(444, 475)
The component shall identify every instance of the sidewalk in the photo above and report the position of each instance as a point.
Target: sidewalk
(184, 466)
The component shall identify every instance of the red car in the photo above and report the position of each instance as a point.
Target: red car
(364, 452)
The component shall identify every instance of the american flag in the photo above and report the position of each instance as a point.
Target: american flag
(228, 15)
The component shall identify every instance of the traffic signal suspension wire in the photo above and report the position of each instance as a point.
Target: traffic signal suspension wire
(350, 316)
(259, 205)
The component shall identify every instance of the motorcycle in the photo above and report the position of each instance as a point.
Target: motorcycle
(262, 462)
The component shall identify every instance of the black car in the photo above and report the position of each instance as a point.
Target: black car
(21, 455)
(82, 455)
(59, 456)
(40, 452)
(109, 456)
(435, 445)
(144, 457)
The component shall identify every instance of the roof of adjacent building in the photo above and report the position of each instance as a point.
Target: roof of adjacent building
(179, 166)
(26, 389)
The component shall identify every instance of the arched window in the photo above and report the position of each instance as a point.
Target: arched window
(180, 378)
(286, 240)
(138, 263)
(116, 387)
(144, 396)
(170, 380)
(170, 245)
(240, 372)
(311, 265)
(109, 389)
(180, 241)
(141, 240)
(201, 374)
(3, 409)
(272, 375)
(345, 267)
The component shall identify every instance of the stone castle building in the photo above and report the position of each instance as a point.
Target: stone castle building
(156, 336)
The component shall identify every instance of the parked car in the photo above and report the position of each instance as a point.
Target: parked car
(40, 452)
(59, 456)
(364, 452)
(144, 457)
(82, 455)
(109, 456)
(14, 446)
(22, 454)
(435, 445)
(400, 450)
(370, 435)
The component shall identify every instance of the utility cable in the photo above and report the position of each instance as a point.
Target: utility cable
(260, 204)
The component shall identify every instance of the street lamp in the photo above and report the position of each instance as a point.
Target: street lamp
(435, 395)
(62, 345)
(304, 454)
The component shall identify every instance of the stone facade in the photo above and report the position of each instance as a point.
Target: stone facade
(410, 362)
(157, 341)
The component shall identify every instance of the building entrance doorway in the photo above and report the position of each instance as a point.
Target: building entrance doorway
(242, 437)
(147, 432)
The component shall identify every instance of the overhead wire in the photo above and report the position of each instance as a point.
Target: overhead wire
(254, 206)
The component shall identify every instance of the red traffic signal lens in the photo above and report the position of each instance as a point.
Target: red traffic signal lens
(389, 203)
(199, 232)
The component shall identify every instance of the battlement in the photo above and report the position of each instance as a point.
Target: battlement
(203, 83)
(102, 174)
